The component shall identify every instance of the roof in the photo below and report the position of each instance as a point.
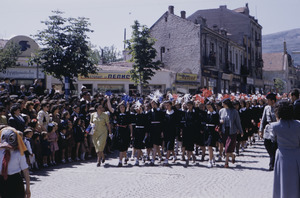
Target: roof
(241, 10)
(273, 61)
(121, 66)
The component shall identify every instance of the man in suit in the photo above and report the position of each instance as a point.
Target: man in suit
(296, 103)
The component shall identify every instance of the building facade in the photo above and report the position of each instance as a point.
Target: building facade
(243, 29)
(190, 47)
(24, 73)
(280, 66)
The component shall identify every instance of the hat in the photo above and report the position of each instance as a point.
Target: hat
(271, 96)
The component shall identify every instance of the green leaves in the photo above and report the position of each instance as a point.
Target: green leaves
(142, 52)
(65, 49)
(9, 55)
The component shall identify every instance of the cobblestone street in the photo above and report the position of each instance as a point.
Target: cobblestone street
(248, 177)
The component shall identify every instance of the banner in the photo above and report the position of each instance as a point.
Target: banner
(111, 76)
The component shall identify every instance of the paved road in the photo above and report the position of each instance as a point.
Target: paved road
(248, 177)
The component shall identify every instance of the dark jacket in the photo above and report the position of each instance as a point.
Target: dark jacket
(17, 123)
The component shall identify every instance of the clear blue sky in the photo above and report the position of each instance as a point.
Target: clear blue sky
(109, 17)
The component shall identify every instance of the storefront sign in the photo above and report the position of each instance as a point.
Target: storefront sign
(107, 76)
(250, 81)
(181, 77)
(227, 76)
(236, 78)
(22, 73)
(210, 73)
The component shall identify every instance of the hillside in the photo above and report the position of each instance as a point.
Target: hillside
(274, 43)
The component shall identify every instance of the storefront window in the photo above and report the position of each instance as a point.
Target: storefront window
(113, 88)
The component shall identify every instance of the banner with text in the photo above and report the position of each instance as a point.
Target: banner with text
(107, 76)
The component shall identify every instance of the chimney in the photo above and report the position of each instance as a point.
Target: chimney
(171, 9)
(182, 14)
(284, 48)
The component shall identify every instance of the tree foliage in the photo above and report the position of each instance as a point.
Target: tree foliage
(65, 49)
(110, 54)
(279, 85)
(142, 52)
(9, 56)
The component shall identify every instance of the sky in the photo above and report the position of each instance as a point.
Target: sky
(109, 18)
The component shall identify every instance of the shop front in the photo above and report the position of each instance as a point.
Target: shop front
(117, 79)
(185, 83)
(210, 80)
(236, 83)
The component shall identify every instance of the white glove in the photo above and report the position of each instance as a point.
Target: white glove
(110, 135)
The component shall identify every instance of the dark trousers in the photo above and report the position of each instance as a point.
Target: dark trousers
(271, 149)
(13, 187)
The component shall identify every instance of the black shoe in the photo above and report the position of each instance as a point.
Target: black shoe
(103, 160)
(120, 164)
(151, 163)
(98, 164)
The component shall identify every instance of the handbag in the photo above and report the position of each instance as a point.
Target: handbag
(90, 130)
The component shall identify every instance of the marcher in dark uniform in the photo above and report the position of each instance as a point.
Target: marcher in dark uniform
(123, 132)
(155, 116)
(139, 131)
(296, 103)
(199, 136)
(171, 123)
(12, 162)
(211, 137)
(191, 127)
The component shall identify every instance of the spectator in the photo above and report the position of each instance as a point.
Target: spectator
(287, 134)
(16, 120)
(296, 103)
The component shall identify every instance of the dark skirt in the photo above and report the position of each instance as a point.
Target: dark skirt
(138, 138)
(211, 137)
(123, 138)
(12, 187)
(199, 138)
(229, 140)
(188, 139)
(155, 134)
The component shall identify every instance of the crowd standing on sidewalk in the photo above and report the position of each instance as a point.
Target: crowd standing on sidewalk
(159, 127)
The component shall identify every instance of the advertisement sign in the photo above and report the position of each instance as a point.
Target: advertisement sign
(107, 76)
(181, 77)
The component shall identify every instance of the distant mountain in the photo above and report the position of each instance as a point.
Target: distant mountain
(274, 43)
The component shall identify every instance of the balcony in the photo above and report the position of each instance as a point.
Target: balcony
(244, 71)
(209, 60)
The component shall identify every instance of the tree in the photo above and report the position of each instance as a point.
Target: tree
(279, 85)
(9, 56)
(110, 54)
(66, 52)
(142, 52)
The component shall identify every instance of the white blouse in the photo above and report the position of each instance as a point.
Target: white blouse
(16, 164)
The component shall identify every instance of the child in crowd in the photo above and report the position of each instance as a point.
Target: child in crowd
(52, 137)
(37, 148)
(79, 138)
(46, 152)
(30, 158)
(63, 143)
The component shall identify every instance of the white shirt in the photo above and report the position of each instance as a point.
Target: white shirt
(16, 164)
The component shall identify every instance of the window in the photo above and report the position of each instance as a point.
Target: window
(236, 62)
(220, 55)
